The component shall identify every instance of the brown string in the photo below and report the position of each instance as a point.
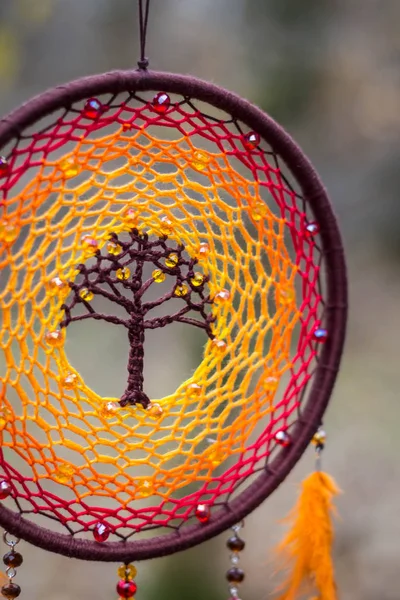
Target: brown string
(102, 279)
(143, 62)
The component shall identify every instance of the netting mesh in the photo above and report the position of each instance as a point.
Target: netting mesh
(82, 192)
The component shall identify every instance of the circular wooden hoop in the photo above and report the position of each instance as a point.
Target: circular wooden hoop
(335, 308)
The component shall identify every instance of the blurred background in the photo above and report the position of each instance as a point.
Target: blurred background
(329, 71)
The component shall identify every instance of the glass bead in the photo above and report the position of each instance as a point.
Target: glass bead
(101, 532)
(234, 591)
(8, 232)
(215, 458)
(123, 274)
(222, 296)
(197, 280)
(286, 296)
(6, 415)
(131, 216)
(108, 409)
(86, 294)
(90, 244)
(181, 290)
(320, 335)
(166, 226)
(319, 438)
(194, 390)
(127, 572)
(219, 345)
(10, 590)
(145, 489)
(235, 559)
(235, 543)
(312, 229)
(114, 248)
(259, 211)
(13, 559)
(57, 285)
(126, 589)
(93, 108)
(200, 161)
(155, 410)
(4, 167)
(251, 140)
(64, 473)
(203, 513)
(158, 275)
(5, 489)
(70, 381)
(69, 168)
(161, 103)
(235, 575)
(204, 251)
(55, 338)
(283, 438)
(172, 260)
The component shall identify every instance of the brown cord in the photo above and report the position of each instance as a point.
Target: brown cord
(143, 62)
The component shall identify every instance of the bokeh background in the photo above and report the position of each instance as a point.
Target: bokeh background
(329, 71)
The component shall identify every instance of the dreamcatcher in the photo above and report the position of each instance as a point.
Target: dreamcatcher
(144, 199)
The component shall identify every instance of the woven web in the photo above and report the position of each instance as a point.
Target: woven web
(192, 178)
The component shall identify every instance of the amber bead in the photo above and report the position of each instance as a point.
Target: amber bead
(127, 572)
(13, 559)
(235, 575)
(126, 589)
(235, 543)
(10, 590)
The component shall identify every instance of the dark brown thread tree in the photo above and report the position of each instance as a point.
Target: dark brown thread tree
(104, 279)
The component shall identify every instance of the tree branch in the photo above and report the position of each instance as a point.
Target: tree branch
(96, 316)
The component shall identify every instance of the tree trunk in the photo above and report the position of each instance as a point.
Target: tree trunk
(134, 391)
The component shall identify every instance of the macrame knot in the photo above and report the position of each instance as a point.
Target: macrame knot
(143, 64)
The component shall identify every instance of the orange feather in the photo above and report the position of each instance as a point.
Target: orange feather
(306, 548)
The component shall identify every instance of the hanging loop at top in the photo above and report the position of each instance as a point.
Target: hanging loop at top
(144, 6)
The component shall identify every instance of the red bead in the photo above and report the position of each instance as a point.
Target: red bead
(10, 590)
(203, 513)
(251, 140)
(93, 108)
(161, 102)
(5, 489)
(4, 167)
(101, 532)
(126, 589)
(283, 438)
(312, 229)
(320, 335)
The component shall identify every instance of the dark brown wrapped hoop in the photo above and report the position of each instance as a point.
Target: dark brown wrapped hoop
(335, 309)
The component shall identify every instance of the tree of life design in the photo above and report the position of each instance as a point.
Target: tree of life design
(118, 275)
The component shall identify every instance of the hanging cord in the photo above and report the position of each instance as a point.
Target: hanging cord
(144, 6)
